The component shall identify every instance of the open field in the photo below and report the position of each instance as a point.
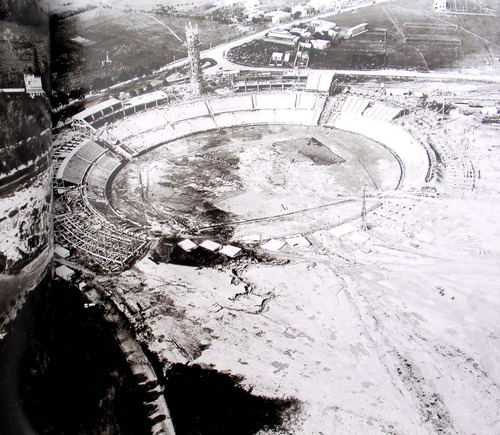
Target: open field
(428, 41)
(259, 172)
(136, 42)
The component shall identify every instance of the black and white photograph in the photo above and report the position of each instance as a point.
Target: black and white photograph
(255, 217)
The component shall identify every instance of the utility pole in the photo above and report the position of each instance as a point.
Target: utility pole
(364, 226)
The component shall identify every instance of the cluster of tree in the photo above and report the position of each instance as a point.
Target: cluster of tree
(227, 15)
(164, 10)
(59, 98)
(26, 12)
(71, 13)
(124, 74)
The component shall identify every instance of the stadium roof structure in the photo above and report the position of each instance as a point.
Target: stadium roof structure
(97, 108)
(319, 81)
(73, 167)
(145, 99)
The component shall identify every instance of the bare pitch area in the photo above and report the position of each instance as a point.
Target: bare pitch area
(253, 173)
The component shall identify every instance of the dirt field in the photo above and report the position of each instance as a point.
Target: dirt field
(251, 173)
(392, 332)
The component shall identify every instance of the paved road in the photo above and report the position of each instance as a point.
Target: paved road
(219, 55)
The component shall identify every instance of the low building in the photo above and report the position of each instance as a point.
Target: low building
(439, 5)
(320, 44)
(298, 31)
(301, 10)
(322, 5)
(187, 245)
(282, 37)
(489, 111)
(323, 26)
(210, 245)
(64, 272)
(33, 84)
(276, 59)
(357, 30)
(278, 17)
(230, 251)
(302, 58)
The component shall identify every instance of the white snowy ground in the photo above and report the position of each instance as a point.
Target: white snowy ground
(397, 334)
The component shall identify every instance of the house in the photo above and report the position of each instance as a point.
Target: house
(276, 59)
(33, 84)
(256, 14)
(322, 5)
(302, 56)
(320, 44)
(300, 10)
(278, 17)
(325, 27)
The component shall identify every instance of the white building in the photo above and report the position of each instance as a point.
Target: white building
(278, 17)
(439, 5)
(323, 26)
(33, 84)
(320, 44)
(276, 59)
(303, 9)
(300, 32)
(282, 37)
(322, 5)
(357, 30)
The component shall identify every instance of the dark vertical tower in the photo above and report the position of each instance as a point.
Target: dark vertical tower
(193, 48)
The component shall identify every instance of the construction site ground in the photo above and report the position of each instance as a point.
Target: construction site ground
(392, 330)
